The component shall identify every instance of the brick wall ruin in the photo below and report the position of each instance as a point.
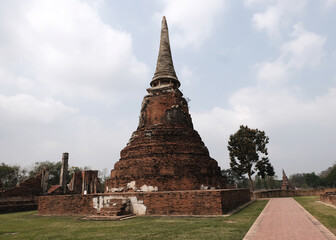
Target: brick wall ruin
(292, 192)
(329, 197)
(24, 196)
(84, 182)
(201, 202)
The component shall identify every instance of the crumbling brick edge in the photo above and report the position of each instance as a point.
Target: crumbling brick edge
(175, 203)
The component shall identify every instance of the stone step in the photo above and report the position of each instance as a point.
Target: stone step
(112, 210)
(114, 213)
(109, 218)
(115, 207)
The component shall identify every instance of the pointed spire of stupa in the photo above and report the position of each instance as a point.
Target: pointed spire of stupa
(165, 72)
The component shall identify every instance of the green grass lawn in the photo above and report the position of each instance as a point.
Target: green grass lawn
(27, 225)
(325, 214)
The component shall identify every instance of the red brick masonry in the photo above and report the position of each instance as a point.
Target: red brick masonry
(193, 202)
(329, 197)
(292, 193)
(22, 197)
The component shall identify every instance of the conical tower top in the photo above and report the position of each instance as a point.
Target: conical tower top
(165, 73)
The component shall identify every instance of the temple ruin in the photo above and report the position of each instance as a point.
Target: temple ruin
(285, 182)
(24, 196)
(82, 182)
(165, 168)
(165, 152)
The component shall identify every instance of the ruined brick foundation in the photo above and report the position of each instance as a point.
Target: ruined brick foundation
(292, 193)
(24, 196)
(193, 202)
(329, 197)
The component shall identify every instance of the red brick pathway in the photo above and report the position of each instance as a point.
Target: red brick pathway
(284, 218)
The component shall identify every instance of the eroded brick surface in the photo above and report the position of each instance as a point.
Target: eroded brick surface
(201, 202)
(23, 197)
(165, 151)
(292, 193)
(329, 197)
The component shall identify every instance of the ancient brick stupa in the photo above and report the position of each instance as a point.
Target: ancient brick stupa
(165, 152)
(285, 182)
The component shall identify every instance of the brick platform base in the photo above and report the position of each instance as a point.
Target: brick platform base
(292, 193)
(195, 202)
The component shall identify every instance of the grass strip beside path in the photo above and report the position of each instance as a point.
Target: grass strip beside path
(325, 214)
(27, 225)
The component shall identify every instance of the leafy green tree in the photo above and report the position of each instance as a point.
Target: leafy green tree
(298, 180)
(73, 169)
(103, 176)
(258, 183)
(245, 146)
(325, 173)
(269, 182)
(10, 176)
(272, 182)
(233, 178)
(312, 180)
(54, 171)
(330, 179)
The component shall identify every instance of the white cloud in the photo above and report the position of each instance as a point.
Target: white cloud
(278, 15)
(35, 129)
(329, 3)
(272, 71)
(306, 49)
(53, 53)
(291, 123)
(187, 75)
(23, 108)
(269, 20)
(191, 21)
(63, 48)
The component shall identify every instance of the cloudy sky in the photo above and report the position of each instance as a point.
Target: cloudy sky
(73, 74)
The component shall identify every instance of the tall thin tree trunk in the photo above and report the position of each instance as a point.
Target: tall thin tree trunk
(251, 182)
(252, 185)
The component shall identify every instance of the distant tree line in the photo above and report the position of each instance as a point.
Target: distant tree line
(268, 182)
(11, 175)
(326, 178)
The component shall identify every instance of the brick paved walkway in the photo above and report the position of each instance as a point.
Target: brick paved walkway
(284, 218)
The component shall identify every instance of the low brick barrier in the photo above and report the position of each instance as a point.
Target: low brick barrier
(22, 197)
(18, 204)
(292, 193)
(329, 197)
(195, 202)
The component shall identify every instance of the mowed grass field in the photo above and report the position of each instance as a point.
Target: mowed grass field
(325, 214)
(27, 225)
